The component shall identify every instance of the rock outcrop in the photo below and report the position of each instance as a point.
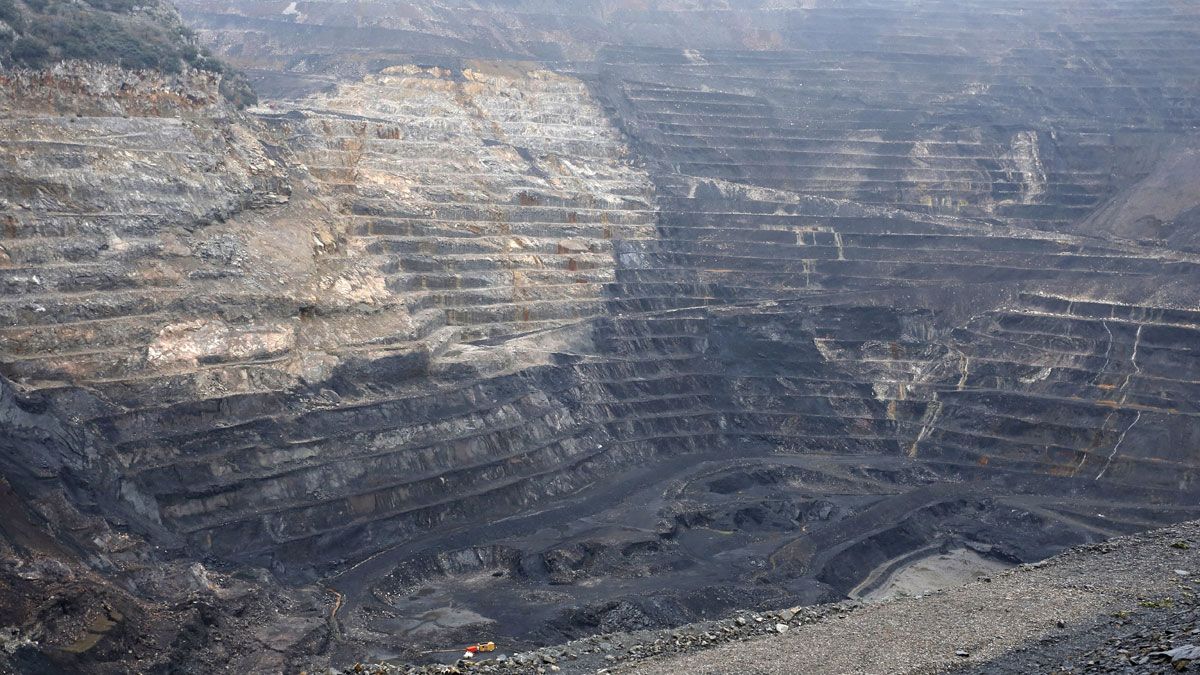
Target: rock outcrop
(629, 324)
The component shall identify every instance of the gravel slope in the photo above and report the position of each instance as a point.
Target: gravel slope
(1111, 607)
(1085, 605)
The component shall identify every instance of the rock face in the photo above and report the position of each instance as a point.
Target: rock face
(627, 314)
(223, 338)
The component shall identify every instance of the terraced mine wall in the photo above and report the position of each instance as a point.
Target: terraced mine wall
(627, 325)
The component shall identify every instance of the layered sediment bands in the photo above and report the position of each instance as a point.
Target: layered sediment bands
(279, 363)
(820, 142)
(491, 196)
(490, 203)
(648, 330)
(969, 109)
(1086, 389)
(1044, 385)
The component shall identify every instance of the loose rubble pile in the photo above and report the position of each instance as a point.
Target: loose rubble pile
(1160, 634)
(601, 652)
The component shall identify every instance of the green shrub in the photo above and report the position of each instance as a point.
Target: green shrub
(11, 14)
(237, 90)
(119, 6)
(30, 51)
(108, 31)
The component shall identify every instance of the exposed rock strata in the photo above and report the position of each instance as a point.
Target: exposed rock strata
(651, 331)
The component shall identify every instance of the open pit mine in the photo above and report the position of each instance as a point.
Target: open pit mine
(524, 321)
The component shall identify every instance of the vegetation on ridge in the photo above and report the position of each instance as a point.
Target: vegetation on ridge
(136, 34)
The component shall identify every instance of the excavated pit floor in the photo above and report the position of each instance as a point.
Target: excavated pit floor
(676, 542)
(927, 572)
